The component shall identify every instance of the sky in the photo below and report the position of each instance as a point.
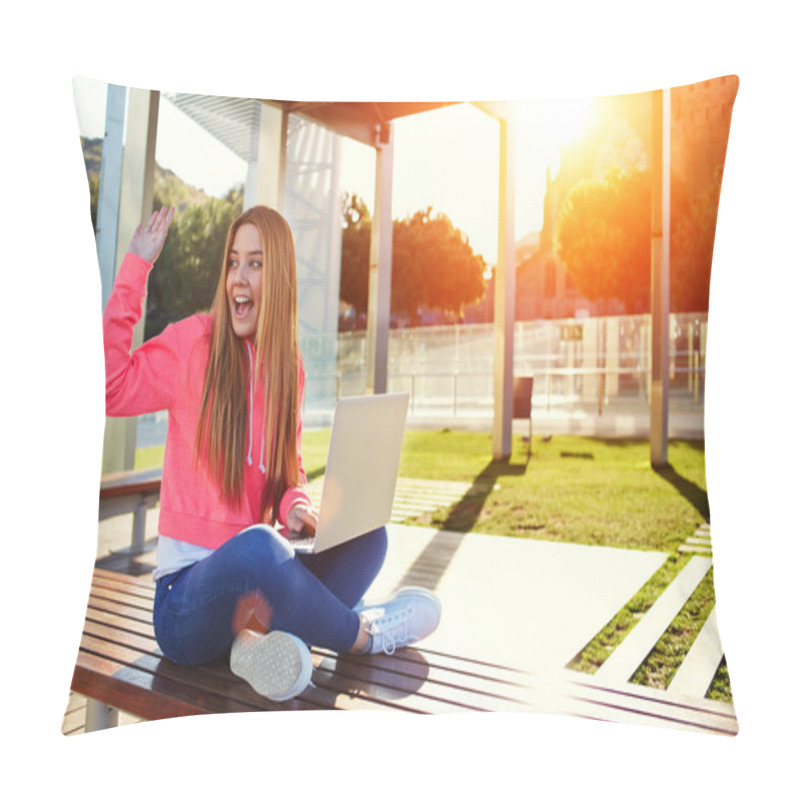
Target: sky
(447, 158)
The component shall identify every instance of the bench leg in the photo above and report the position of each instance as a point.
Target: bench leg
(100, 716)
(139, 523)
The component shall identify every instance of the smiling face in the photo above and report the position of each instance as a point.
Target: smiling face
(243, 281)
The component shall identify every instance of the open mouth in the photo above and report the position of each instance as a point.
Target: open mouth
(242, 306)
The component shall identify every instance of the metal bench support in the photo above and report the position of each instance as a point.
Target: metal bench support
(100, 716)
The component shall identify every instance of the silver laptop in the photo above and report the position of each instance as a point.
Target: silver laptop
(361, 473)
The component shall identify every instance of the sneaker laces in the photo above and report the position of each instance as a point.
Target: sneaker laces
(391, 630)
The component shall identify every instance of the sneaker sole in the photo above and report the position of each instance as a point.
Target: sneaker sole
(277, 666)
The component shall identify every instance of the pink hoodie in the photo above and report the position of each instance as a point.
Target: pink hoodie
(167, 372)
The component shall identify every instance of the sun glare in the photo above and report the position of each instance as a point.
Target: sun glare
(571, 118)
(550, 125)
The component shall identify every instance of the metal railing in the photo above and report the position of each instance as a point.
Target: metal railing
(695, 376)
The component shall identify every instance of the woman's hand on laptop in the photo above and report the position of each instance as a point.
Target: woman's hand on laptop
(301, 521)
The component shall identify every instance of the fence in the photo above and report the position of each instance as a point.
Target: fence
(580, 367)
(591, 376)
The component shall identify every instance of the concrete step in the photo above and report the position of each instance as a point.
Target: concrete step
(698, 669)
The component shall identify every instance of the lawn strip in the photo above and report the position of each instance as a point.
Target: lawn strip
(720, 688)
(663, 661)
(600, 648)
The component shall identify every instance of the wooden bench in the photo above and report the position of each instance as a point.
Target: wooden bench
(119, 666)
(130, 492)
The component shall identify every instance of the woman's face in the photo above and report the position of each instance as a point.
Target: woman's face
(244, 280)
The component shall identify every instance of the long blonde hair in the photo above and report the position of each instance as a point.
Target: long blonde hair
(222, 426)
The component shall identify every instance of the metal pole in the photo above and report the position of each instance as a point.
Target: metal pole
(136, 178)
(99, 716)
(109, 193)
(660, 229)
(380, 270)
(505, 278)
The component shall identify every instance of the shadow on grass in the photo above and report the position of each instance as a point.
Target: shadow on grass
(431, 564)
(691, 491)
(625, 442)
(315, 473)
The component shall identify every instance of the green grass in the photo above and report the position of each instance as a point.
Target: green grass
(572, 489)
(149, 457)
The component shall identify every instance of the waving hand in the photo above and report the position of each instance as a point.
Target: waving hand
(148, 239)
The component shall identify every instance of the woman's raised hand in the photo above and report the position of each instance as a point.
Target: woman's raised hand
(148, 239)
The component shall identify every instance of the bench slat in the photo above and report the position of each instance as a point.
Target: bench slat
(139, 692)
(484, 692)
(140, 590)
(396, 690)
(118, 484)
(129, 600)
(122, 579)
(120, 664)
(123, 611)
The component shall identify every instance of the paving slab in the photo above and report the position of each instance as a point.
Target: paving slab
(520, 602)
(701, 663)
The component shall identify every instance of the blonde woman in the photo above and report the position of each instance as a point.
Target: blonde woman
(232, 490)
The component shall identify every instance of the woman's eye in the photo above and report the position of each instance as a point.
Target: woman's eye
(255, 264)
(231, 263)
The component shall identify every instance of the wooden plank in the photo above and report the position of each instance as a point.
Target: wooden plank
(140, 691)
(122, 610)
(128, 584)
(698, 669)
(109, 618)
(122, 578)
(119, 484)
(130, 600)
(127, 592)
(635, 647)
(429, 690)
(483, 686)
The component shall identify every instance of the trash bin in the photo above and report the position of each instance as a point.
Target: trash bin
(523, 402)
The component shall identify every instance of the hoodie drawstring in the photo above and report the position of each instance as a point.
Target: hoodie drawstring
(261, 466)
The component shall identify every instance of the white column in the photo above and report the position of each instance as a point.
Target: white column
(380, 270)
(266, 177)
(107, 226)
(135, 205)
(612, 356)
(659, 293)
(504, 287)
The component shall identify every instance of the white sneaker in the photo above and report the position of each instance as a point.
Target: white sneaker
(409, 616)
(277, 664)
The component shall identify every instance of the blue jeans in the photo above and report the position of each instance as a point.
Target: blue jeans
(309, 595)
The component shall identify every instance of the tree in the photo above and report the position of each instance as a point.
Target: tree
(603, 239)
(694, 227)
(185, 278)
(433, 264)
(354, 282)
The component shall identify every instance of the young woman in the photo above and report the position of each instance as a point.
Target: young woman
(232, 487)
